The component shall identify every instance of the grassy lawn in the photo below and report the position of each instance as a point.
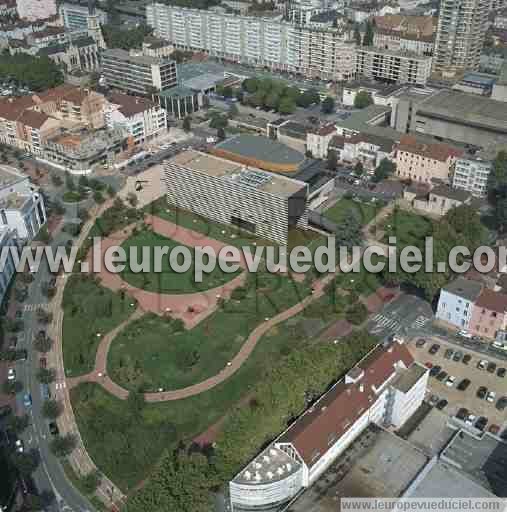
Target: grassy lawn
(150, 355)
(408, 228)
(126, 446)
(88, 309)
(168, 281)
(365, 211)
(223, 232)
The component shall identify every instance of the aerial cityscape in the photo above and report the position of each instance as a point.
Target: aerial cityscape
(253, 255)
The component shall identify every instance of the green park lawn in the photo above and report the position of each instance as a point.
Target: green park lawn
(168, 281)
(408, 228)
(89, 309)
(365, 211)
(149, 354)
(126, 444)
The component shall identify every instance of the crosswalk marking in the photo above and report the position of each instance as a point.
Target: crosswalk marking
(420, 321)
(34, 307)
(384, 323)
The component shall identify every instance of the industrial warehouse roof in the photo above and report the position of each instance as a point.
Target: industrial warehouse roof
(238, 173)
(466, 108)
(262, 148)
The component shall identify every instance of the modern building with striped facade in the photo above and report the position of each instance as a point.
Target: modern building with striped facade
(259, 202)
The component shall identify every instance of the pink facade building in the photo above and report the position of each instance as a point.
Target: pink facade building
(489, 314)
(33, 10)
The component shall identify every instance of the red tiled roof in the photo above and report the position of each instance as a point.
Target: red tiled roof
(33, 118)
(441, 152)
(493, 301)
(12, 108)
(343, 404)
(327, 130)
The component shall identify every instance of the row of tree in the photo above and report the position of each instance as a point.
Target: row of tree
(184, 478)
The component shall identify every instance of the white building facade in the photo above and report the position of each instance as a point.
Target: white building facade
(472, 175)
(7, 240)
(21, 206)
(32, 10)
(385, 388)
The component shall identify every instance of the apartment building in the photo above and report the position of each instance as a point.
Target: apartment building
(258, 202)
(141, 118)
(500, 21)
(489, 314)
(423, 162)
(396, 66)
(134, 73)
(456, 302)
(22, 207)
(7, 239)
(394, 41)
(70, 103)
(471, 173)
(460, 35)
(385, 388)
(317, 141)
(32, 10)
(75, 16)
(257, 41)
(368, 149)
(48, 36)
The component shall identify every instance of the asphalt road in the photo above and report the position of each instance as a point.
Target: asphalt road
(49, 476)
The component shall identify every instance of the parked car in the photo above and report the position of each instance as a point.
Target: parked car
(420, 342)
(491, 367)
(435, 371)
(463, 385)
(499, 345)
(466, 359)
(457, 356)
(501, 404)
(464, 334)
(21, 355)
(433, 400)
(448, 353)
(44, 392)
(20, 447)
(11, 374)
(434, 348)
(462, 414)
(482, 364)
(442, 404)
(501, 372)
(442, 376)
(482, 392)
(428, 365)
(450, 381)
(490, 397)
(494, 429)
(27, 400)
(471, 419)
(481, 422)
(53, 428)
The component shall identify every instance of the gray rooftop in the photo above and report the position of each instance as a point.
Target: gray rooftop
(124, 55)
(464, 288)
(450, 193)
(443, 481)
(483, 460)
(406, 379)
(253, 146)
(466, 108)
(359, 118)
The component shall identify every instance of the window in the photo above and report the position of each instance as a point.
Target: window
(315, 455)
(331, 439)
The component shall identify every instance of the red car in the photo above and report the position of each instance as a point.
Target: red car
(428, 365)
(43, 363)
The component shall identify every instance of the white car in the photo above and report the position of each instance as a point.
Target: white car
(450, 381)
(491, 396)
(20, 447)
(471, 419)
(482, 364)
(499, 345)
(11, 374)
(465, 334)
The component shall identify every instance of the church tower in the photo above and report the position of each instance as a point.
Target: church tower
(94, 30)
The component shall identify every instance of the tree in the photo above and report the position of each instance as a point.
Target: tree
(26, 463)
(18, 424)
(357, 35)
(218, 121)
(51, 409)
(62, 446)
(332, 160)
(11, 387)
(348, 232)
(221, 134)
(385, 169)
(497, 190)
(43, 344)
(132, 199)
(111, 192)
(233, 110)
(187, 125)
(363, 99)
(286, 106)
(358, 169)
(98, 197)
(116, 37)
(308, 98)
(272, 100)
(328, 105)
(46, 375)
(83, 181)
(91, 481)
(250, 85)
(69, 181)
(368, 34)
(357, 313)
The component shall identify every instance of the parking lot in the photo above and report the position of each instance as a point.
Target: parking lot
(478, 377)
